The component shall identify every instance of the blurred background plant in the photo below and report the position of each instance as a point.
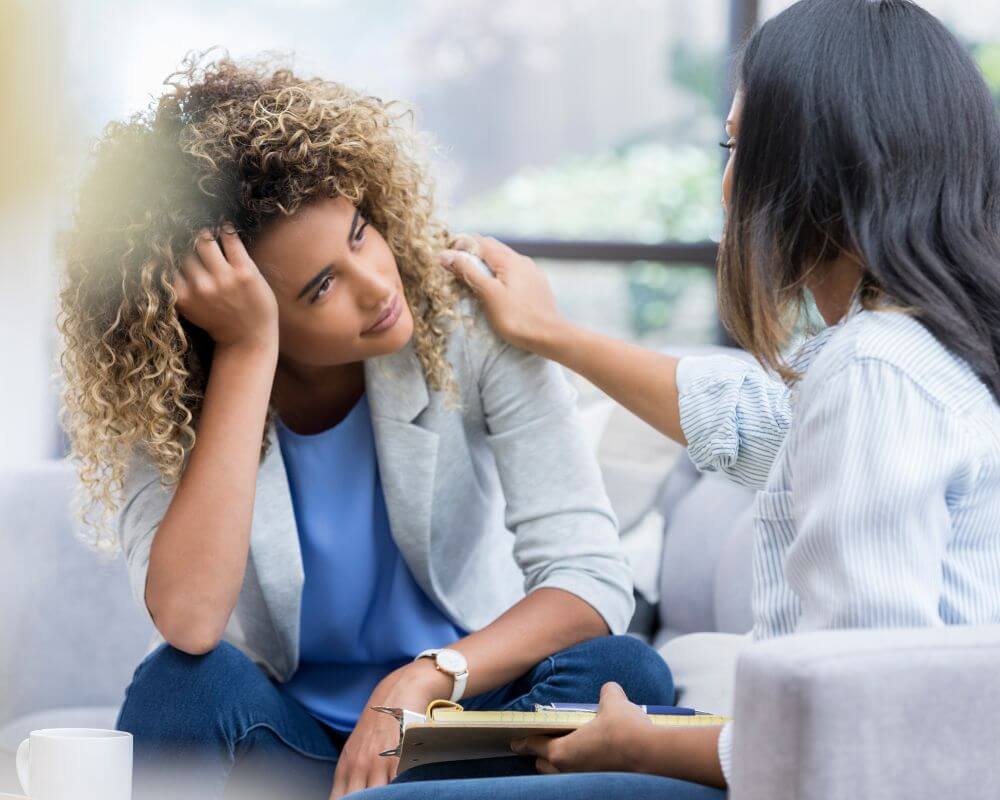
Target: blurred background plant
(988, 58)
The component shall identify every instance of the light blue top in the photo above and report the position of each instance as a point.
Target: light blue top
(363, 614)
(878, 477)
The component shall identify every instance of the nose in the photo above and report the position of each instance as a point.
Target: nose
(372, 288)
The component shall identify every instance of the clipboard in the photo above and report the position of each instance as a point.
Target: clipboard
(447, 732)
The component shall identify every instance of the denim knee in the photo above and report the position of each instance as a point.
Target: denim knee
(630, 662)
(178, 696)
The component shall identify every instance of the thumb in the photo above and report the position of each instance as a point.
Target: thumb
(467, 270)
(612, 694)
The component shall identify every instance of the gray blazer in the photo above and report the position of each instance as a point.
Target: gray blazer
(486, 502)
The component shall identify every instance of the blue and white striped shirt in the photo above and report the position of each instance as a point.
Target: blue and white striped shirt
(878, 478)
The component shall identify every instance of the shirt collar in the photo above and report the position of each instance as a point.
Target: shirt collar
(854, 308)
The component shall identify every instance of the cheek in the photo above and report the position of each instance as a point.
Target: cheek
(386, 260)
(727, 183)
(321, 335)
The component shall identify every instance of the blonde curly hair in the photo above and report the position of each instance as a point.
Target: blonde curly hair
(248, 142)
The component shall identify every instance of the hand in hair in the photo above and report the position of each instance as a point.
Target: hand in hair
(221, 290)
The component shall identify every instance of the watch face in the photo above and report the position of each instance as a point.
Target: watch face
(452, 661)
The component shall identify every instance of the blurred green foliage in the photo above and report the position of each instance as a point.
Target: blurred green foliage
(655, 290)
(988, 57)
(651, 192)
(697, 71)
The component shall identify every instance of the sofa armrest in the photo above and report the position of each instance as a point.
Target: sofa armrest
(900, 713)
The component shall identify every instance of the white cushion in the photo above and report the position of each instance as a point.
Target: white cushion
(704, 669)
(892, 714)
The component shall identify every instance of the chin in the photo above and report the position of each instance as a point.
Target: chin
(396, 338)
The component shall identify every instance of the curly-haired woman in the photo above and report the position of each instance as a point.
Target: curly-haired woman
(315, 451)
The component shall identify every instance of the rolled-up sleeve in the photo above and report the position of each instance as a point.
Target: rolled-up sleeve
(566, 533)
(144, 504)
(726, 751)
(734, 416)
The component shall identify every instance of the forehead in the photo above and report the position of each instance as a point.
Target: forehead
(735, 110)
(300, 245)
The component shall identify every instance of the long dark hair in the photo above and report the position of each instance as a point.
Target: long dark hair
(867, 129)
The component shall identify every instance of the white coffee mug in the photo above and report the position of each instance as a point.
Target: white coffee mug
(76, 764)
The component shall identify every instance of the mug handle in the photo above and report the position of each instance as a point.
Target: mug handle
(22, 765)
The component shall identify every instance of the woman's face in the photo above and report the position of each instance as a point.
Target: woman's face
(339, 292)
(732, 128)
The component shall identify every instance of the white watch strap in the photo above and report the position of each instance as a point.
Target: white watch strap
(458, 689)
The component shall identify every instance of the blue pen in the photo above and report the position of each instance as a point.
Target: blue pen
(678, 711)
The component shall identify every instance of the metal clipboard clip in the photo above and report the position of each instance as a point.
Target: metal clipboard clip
(405, 718)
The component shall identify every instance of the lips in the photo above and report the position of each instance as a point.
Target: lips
(388, 317)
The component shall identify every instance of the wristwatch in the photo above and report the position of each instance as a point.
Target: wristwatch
(453, 663)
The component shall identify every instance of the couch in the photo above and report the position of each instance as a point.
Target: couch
(897, 714)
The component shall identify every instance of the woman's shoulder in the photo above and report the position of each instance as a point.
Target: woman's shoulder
(895, 343)
(473, 344)
(488, 371)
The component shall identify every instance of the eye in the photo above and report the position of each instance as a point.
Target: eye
(728, 145)
(323, 288)
(359, 234)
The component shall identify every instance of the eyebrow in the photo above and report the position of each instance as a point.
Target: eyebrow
(319, 276)
(315, 281)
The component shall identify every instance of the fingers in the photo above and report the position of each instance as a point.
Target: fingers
(491, 250)
(540, 746)
(210, 262)
(210, 253)
(377, 776)
(180, 285)
(466, 242)
(233, 248)
(353, 777)
(468, 271)
(545, 767)
(356, 784)
(193, 272)
(339, 779)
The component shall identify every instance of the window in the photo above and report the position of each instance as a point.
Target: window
(586, 120)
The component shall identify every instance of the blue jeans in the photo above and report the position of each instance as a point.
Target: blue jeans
(207, 725)
(581, 786)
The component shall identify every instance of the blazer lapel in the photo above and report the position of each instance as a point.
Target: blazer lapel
(407, 459)
(407, 454)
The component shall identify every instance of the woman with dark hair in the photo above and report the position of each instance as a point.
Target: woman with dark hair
(865, 172)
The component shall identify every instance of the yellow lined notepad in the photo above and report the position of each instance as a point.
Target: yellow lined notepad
(570, 720)
(450, 733)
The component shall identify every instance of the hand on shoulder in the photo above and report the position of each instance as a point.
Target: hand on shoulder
(513, 292)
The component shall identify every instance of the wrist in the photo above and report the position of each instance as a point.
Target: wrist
(642, 747)
(426, 680)
(264, 348)
(551, 339)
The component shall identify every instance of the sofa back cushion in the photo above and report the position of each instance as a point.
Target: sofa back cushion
(70, 634)
(706, 570)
